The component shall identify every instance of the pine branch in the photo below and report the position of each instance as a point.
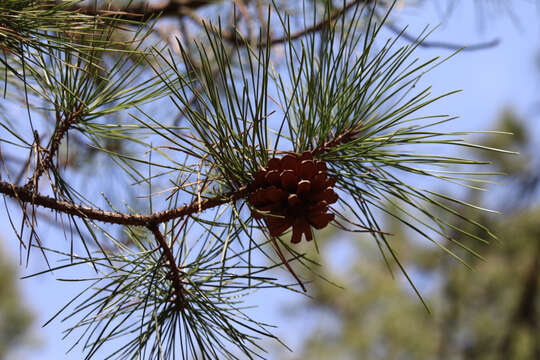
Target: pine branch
(24, 195)
(341, 99)
(57, 136)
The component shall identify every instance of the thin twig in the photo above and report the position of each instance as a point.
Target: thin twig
(441, 44)
(345, 137)
(174, 272)
(237, 38)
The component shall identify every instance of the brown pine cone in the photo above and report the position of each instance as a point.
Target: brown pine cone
(296, 191)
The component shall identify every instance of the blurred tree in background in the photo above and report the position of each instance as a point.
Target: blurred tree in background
(15, 317)
(489, 312)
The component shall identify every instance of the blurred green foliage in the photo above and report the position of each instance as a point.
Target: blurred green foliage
(15, 318)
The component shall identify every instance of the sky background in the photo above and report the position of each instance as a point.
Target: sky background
(492, 79)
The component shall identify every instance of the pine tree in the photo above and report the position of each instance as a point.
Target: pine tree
(283, 127)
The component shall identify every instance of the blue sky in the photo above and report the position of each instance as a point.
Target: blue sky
(491, 79)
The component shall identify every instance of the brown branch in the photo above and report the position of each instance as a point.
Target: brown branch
(181, 8)
(25, 195)
(174, 271)
(59, 133)
(144, 11)
(317, 27)
(345, 137)
(237, 38)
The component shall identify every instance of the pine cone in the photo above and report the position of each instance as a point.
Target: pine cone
(293, 191)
